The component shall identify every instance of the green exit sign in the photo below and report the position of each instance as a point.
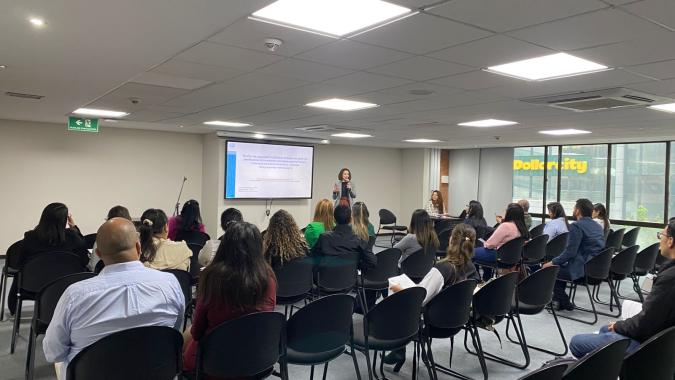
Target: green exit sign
(82, 124)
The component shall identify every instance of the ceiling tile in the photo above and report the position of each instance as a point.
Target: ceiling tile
(420, 68)
(661, 88)
(659, 47)
(592, 29)
(146, 95)
(475, 80)
(152, 115)
(197, 70)
(661, 11)
(353, 55)
(157, 79)
(228, 56)
(513, 14)
(303, 70)
(421, 34)
(659, 70)
(364, 82)
(491, 51)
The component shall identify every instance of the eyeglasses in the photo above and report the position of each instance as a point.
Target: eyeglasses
(660, 235)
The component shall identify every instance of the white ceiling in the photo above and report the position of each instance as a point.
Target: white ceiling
(190, 62)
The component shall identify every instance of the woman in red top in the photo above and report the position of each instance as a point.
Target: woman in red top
(237, 282)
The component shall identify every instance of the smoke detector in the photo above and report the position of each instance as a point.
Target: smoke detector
(272, 44)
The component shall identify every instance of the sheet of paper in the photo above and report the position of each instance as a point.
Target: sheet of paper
(402, 280)
(629, 309)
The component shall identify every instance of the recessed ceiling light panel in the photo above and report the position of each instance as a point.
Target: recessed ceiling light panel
(341, 104)
(333, 17)
(487, 123)
(422, 141)
(99, 112)
(564, 132)
(670, 107)
(548, 67)
(37, 22)
(221, 123)
(351, 135)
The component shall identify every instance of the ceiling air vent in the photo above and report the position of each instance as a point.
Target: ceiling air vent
(598, 100)
(24, 96)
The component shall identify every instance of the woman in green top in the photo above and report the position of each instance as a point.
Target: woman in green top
(323, 221)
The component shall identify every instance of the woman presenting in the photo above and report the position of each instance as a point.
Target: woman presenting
(343, 190)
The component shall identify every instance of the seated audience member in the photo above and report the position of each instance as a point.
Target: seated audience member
(208, 251)
(158, 252)
(421, 235)
(525, 204)
(189, 220)
(115, 212)
(360, 223)
(50, 235)
(512, 226)
(283, 241)
(435, 204)
(123, 296)
(585, 240)
(474, 218)
(658, 309)
(455, 267)
(323, 221)
(342, 242)
(236, 283)
(600, 216)
(558, 224)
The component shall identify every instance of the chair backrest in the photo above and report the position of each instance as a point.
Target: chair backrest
(156, 355)
(193, 237)
(554, 372)
(13, 252)
(556, 246)
(624, 261)
(185, 280)
(451, 308)
(417, 265)
(195, 266)
(47, 267)
(371, 242)
(337, 273)
(630, 237)
(242, 347)
(510, 252)
(397, 316)
(321, 326)
(535, 249)
(653, 359)
(89, 241)
(537, 288)
(387, 217)
(444, 239)
(295, 277)
(537, 230)
(603, 363)
(597, 268)
(387, 266)
(615, 238)
(49, 295)
(646, 259)
(495, 297)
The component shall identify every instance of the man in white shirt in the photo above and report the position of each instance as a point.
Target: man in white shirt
(124, 295)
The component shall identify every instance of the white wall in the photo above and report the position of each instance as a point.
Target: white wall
(90, 172)
(415, 190)
(463, 168)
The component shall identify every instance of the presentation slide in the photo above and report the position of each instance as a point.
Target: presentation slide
(268, 171)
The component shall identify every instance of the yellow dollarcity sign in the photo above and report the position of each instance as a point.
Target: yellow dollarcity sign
(570, 164)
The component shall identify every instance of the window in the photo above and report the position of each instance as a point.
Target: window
(583, 169)
(528, 176)
(638, 182)
(646, 237)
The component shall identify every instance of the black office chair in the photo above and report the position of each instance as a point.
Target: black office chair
(45, 304)
(533, 294)
(534, 251)
(38, 272)
(622, 266)
(508, 255)
(319, 332)
(596, 271)
(388, 223)
(390, 325)
(614, 239)
(653, 359)
(89, 241)
(195, 240)
(644, 263)
(185, 280)
(556, 246)
(336, 274)
(493, 302)
(537, 230)
(142, 353)
(377, 279)
(603, 363)
(554, 372)
(294, 282)
(9, 270)
(444, 240)
(417, 265)
(248, 346)
(630, 237)
(445, 315)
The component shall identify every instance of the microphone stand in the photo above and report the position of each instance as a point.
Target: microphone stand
(175, 211)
